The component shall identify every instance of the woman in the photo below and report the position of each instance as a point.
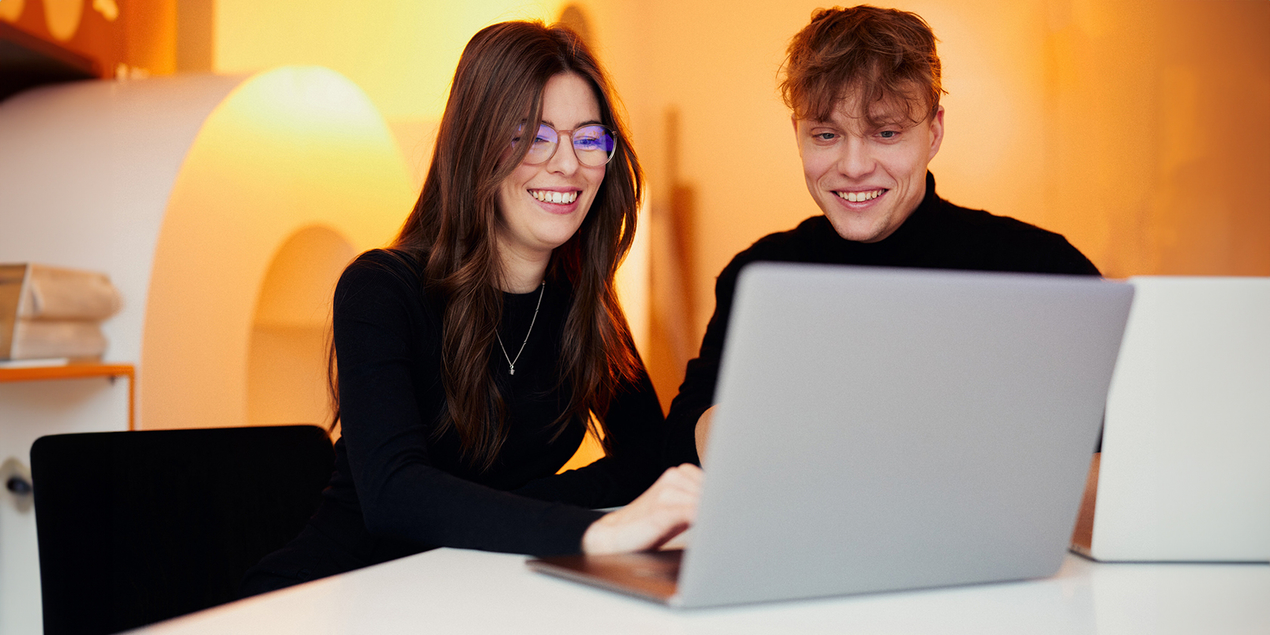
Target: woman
(474, 353)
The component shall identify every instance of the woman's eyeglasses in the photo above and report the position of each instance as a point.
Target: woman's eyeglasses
(593, 144)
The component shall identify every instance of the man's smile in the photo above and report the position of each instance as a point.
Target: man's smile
(860, 197)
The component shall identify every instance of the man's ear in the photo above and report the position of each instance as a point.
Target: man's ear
(936, 132)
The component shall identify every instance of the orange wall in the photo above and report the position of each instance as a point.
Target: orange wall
(1115, 122)
(1160, 110)
(1135, 127)
(401, 52)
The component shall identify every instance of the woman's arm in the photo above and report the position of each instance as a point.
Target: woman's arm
(636, 434)
(386, 341)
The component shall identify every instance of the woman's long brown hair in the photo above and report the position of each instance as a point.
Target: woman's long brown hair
(497, 88)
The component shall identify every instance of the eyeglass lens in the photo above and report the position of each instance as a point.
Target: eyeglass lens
(593, 145)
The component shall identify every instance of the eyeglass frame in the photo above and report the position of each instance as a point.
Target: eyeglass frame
(561, 133)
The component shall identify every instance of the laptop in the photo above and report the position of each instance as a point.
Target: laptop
(888, 429)
(1185, 466)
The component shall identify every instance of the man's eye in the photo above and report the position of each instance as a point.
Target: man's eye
(825, 136)
(889, 134)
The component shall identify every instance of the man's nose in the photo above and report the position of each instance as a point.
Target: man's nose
(854, 158)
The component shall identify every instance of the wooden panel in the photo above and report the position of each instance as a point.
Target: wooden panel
(89, 30)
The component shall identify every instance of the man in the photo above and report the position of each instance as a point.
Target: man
(863, 85)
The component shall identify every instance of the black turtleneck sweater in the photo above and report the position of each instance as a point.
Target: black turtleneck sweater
(937, 235)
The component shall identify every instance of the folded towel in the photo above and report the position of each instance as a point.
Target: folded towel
(53, 312)
(54, 293)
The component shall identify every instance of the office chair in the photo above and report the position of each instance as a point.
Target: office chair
(138, 527)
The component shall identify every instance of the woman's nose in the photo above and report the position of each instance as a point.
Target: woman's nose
(565, 160)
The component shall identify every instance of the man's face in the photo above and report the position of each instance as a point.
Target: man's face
(867, 179)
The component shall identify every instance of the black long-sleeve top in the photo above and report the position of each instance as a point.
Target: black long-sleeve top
(400, 488)
(937, 235)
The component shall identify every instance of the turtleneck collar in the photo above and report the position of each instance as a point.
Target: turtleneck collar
(919, 215)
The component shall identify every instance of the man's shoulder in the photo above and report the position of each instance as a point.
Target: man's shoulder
(1007, 243)
(956, 217)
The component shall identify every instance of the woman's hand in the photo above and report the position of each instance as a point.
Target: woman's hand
(659, 514)
(702, 432)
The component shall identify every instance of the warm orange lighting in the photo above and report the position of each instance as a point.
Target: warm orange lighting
(587, 453)
(10, 9)
(288, 149)
(62, 17)
(401, 52)
(286, 359)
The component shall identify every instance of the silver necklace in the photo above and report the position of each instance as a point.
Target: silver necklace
(511, 363)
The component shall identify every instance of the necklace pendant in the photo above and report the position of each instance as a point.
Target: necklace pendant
(511, 362)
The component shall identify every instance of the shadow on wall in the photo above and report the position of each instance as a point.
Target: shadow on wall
(286, 358)
(672, 225)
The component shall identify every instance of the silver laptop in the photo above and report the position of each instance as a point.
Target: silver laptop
(887, 429)
(1185, 469)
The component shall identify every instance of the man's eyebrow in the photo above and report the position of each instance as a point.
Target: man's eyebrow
(890, 120)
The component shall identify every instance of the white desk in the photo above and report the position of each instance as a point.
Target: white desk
(455, 591)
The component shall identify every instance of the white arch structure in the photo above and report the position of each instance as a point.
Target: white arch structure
(184, 190)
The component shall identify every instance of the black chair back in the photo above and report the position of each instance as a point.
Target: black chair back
(138, 527)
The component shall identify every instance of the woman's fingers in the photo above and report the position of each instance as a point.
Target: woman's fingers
(658, 515)
(672, 503)
(679, 541)
(702, 431)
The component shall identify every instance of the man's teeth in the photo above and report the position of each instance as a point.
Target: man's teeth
(859, 197)
(548, 196)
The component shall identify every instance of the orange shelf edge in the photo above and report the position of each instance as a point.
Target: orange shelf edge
(78, 371)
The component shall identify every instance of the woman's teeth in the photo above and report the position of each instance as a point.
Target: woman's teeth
(548, 196)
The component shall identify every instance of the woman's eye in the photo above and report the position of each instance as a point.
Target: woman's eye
(592, 138)
(545, 135)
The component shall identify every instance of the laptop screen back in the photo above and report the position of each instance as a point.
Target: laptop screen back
(884, 429)
(1185, 471)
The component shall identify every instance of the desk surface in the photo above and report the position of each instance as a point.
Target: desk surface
(453, 591)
